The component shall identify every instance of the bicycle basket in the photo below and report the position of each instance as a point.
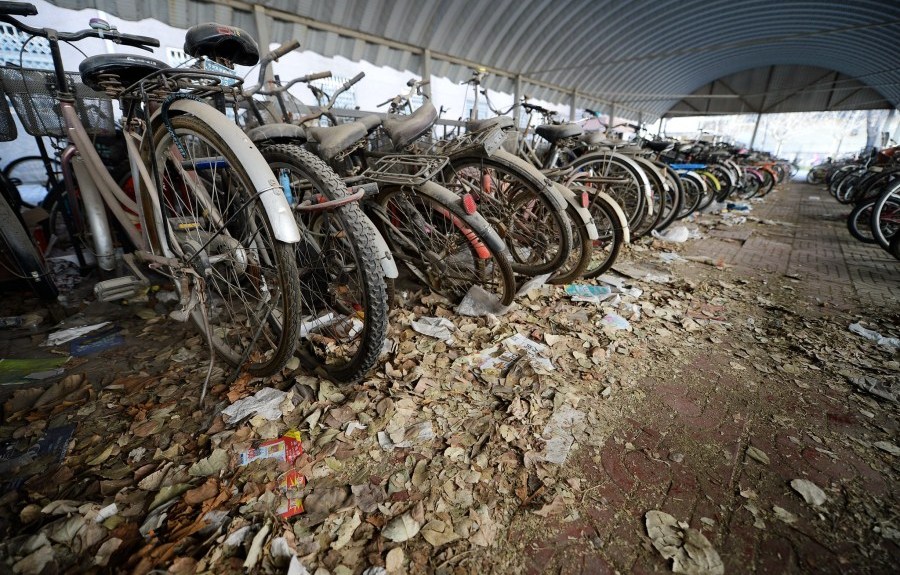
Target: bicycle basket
(33, 95)
(8, 131)
(484, 141)
(405, 170)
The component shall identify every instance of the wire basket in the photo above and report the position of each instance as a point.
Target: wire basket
(8, 130)
(33, 95)
(484, 141)
(405, 170)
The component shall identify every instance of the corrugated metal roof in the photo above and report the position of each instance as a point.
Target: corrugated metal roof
(642, 54)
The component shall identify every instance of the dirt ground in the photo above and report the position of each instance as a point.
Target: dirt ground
(714, 414)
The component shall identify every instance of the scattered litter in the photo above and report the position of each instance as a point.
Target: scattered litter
(738, 207)
(498, 360)
(644, 274)
(615, 322)
(811, 492)
(690, 550)
(15, 371)
(671, 257)
(285, 448)
(878, 388)
(266, 403)
(675, 235)
(533, 283)
(52, 447)
(559, 433)
(588, 293)
(437, 327)
(67, 335)
(478, 302)
(889, 447)
(96, 342)
(891, 342)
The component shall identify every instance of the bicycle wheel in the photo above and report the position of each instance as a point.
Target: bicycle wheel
(445, 249)
(342, 289)
(29, 174)
(618, 178)
(537, 234)
(18, 253)
(649, 219)
(710, 191)
(885, 218)
(858, 222)
(611, 235)
(580, 257)
(674, 198)
(215, 222)
(894, 246)
(693, 187)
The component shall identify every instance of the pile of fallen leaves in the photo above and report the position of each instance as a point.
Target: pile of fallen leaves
(425, 466)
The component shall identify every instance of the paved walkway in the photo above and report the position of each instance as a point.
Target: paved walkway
(815, 246)
(773, 385)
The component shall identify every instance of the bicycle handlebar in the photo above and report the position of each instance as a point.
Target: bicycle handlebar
(142, 42)
(18, 9)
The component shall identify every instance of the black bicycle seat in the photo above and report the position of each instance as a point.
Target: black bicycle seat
(658, 145)
(128, 67)
(403, 130)
(555, 132)
(218, 41)
(333, 140)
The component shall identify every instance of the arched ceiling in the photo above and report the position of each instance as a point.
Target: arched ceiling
(644, 55)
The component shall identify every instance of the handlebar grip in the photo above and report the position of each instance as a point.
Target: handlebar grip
(592, 112)
(316, 76)
(18, 9)
(283, 49)
(354, 79)
(137, 41)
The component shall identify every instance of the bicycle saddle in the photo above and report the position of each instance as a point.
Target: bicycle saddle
(658, 145)
(504, 122)
(555, 132)
(128, 67)
(403, 130)
(217, 41)
(333, 140)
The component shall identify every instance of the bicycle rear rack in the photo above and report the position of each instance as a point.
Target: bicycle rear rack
(487, 142)
(405, 170)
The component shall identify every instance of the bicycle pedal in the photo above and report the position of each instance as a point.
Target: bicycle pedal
(119, 288)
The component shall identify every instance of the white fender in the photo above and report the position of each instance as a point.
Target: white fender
(558, 202)
(385, 258)
(264, 181)
(574, 202)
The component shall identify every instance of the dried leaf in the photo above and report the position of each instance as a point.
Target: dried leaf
(438, 533)
(757, 454)
(401, 528)
(216, 462)
(811, 492)
(690, 551)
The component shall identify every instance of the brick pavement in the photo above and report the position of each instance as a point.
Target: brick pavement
(683, 450)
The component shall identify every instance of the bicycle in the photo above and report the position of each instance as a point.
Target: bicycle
(208, 211)
(342, 290)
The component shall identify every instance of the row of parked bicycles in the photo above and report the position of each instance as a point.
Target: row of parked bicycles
(872, 186)
(286, 232)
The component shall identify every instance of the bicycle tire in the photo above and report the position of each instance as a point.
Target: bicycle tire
(885, 219)
(619, 178)
(212, 215)
(674, 200)
(693, 194)
(413, 224)
(340, 277)
(649, 221)
(710, 191)
(21, 252)
(24, 171)
(536, 232)
(894, 246)
(859, 222)
(580, 257)
(606, 248)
